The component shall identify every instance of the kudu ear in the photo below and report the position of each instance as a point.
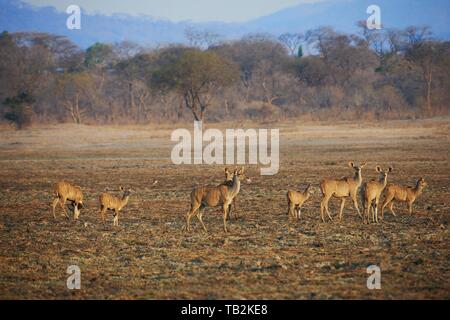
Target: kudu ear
(378, 169)
(390, 169)
(227, 170)
(351, 164)
(121, 188)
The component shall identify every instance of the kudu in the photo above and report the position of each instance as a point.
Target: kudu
(65, 191)
(371, 193)
(341, 189)
(409, 195)
(229, 181)
(296, 199)
(110, 202)
(214, 196)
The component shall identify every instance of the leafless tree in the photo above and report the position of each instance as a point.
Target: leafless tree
(201, 39)
(292, 42)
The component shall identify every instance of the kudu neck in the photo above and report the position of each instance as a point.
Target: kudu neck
(124, 199)
(236, 185)
(383, 180)
(306, 193)
(357, 176)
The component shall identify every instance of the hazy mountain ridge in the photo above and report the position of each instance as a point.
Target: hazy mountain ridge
(341, 14)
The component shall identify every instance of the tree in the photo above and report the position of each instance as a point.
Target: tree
(99, 58)
(311, 71)
(342, 54)
(99, 55)
(201, 39)
(250, 54)
(20, 109)
(292, 42)
(426, 56)
(300, 52)
(373, 38)
(76, 91)
(54, 52)
(126, 50)
(196, 76)
(135, 73)
(12, 67)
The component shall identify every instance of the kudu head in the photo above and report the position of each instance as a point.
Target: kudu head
(383, 173)
(357, 168)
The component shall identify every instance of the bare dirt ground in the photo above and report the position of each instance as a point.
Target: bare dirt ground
(263, 256)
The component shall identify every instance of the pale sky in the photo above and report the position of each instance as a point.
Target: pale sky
(179, 10)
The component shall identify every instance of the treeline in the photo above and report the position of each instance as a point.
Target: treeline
(322, 74)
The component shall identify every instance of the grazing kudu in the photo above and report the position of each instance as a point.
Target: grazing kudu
(395, 192)
(341, 189)
(371, 193)
(296, 199)
(214, 196)
(110, 202)
(65, 191)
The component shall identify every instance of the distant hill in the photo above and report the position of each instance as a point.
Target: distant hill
(343, 15)
(340, 14)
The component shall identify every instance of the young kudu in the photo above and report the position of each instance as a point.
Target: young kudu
(409, 195)
(110, 202)
(296, 199)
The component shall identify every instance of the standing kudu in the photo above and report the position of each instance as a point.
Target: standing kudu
(214, 196)
(110, 202)
(229, 181)
(341, 189)
(296, 199)
(371, 193)
(409, 195)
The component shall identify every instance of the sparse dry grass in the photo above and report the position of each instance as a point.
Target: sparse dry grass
(263, 257)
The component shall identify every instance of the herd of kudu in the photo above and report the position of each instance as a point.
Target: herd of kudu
(224, 196)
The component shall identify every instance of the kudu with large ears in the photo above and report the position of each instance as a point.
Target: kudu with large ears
(409, 195)
(296, 199)
(229, 181)
(110, 202)
(341, 189)
(214, 196)
(372, 191)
